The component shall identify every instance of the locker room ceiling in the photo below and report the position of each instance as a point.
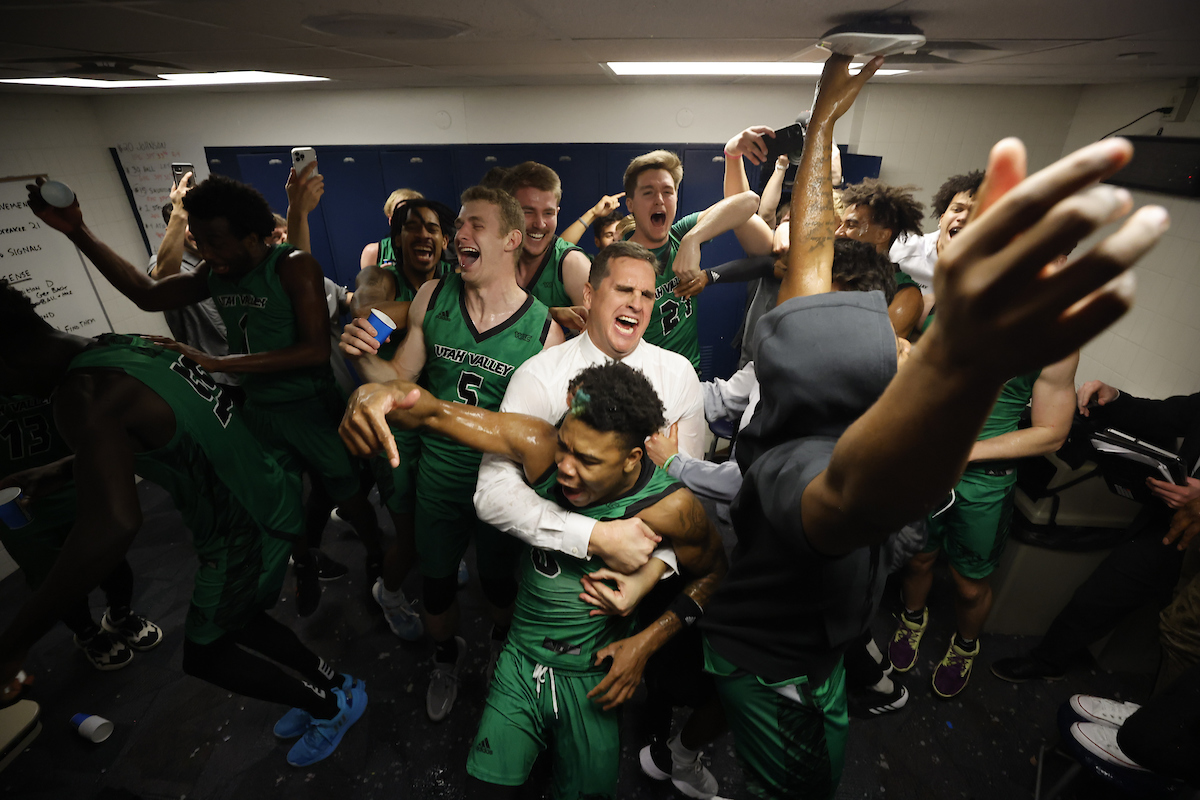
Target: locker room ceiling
(543, 42)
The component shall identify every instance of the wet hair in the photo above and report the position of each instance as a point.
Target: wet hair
(617, 398)
(634, 250)
(601, 223)
(18, 318)
(534, 175)
(242, 206)
(859, 267)
(892, 207)
(656, 159)
(397, 197)
(400, 216)
(512, 218)
(968, 183)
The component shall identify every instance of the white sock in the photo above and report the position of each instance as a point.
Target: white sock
(885, 686)
(681, 753)
(873, 649)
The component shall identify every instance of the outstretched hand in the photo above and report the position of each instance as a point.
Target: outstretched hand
(607, 205)
(365, 428)
(1001, 310)
(64, 220)
(837, 89)
(750, 143)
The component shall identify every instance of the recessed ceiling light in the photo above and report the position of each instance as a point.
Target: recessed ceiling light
(169, 79)
(729, 68)
(385, 26)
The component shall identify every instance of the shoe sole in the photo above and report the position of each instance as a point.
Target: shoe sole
(1011, 679)
(651, 769)
(685, 788)
(1096, 749)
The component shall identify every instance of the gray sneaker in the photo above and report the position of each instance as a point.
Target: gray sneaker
(692, 778)
(404, 621)
(443, 684)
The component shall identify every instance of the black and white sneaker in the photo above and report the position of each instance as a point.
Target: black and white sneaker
(865, 703)
(327, 568)
(655, 759)
(105, 651)
(137, 631)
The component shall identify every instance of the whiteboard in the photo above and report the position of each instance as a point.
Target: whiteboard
(145, 168)
(46, 267)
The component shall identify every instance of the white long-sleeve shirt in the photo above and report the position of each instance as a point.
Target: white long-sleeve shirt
(917, 255)
(539, 388)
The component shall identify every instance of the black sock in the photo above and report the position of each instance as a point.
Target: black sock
(446, 652)
(499, 634)
(965, 644)
(915, 616)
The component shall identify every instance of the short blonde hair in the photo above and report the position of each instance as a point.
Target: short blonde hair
(534, 175)
(657, 159)
(397, 197)
(512, 218)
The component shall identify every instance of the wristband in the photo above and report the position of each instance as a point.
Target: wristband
(667, 464)
(713, 275)
(687, 609)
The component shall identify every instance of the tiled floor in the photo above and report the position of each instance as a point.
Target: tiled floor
(177, 737)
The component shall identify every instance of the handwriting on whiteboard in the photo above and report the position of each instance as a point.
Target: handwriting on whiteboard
(147, 167)
(46, 267)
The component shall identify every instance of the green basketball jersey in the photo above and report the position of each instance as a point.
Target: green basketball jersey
(222, 480)
(550, 623)
(547, 282)
(673, 322)
(29, 438)
(465, 366)
(1013, 398)
(387, 254)
(259, 318)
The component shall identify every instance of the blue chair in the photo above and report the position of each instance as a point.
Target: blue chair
(721, 429)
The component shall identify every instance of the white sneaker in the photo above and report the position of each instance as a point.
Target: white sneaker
(404, 621)
(1101, 741)
(691, 777)
(443, 684)
(1101, 710)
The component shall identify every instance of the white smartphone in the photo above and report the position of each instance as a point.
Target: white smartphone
(302, 157)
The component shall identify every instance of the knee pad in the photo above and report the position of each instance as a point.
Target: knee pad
(439, 593)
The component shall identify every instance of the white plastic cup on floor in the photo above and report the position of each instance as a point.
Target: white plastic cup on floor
(382, 324)
(94, 729)
(58, 194)
(12, 513)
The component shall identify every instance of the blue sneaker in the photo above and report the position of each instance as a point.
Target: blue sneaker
(324, 735)
(294, 723)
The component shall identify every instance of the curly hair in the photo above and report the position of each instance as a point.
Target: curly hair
(859, 267)
(601, 223)
(955, 184)
(893, 207)
(615, 397)
(242, 206)
(18, 317)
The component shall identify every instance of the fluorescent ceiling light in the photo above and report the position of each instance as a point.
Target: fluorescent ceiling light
(171, 79)
(728, 68)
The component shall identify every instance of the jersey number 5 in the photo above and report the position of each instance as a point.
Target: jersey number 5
(468, 388)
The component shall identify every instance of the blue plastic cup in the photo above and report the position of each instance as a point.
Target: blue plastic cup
(91, 727)
(382, 324)
(11, 513)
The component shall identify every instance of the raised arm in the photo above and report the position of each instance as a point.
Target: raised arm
(769, 202)
(754, 235)
(174, 291)
(1053, 412)
(304, 193)
(1000, 314)
(169, 259)
(575, 231)
(810, 243)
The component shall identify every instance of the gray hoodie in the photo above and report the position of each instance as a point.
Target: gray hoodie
(785, 610)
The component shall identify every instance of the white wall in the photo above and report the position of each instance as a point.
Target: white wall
(60, 136)
(1154, 350)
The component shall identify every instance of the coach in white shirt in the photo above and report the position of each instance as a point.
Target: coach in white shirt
(619, 295)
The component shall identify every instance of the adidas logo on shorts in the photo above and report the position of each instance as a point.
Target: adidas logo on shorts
(483, 747)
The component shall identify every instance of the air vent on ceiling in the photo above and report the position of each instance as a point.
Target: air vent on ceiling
(385, 26)
(97, 66)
